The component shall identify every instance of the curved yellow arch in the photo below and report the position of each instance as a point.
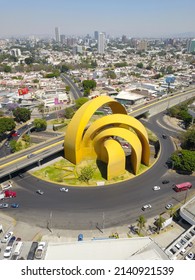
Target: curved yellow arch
(113, 154)
(118, 120)
(75, 130)
(129, 136)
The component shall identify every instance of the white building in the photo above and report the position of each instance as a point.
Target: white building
(101, 43)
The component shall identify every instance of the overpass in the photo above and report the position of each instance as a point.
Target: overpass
(16, 162)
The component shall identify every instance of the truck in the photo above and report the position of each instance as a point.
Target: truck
(7, 194)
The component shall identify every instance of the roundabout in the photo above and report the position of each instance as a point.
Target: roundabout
(110, 206)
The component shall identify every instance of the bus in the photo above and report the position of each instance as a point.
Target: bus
(182, 187)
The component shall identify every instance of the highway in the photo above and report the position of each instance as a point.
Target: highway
(105, 206)
(73, 87)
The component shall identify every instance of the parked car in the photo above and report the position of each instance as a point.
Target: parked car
(4, 205)
(11, 241)
(183, 251)
(7, 237)
(177, 245)
(189, 256)
(145, 207)
(40, 250)
(32, 251)
(15, 205)
(169, 206)
(7, 252)
(156, 188)
(63, 189)
(40, 192)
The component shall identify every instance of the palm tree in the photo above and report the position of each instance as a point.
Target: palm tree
(141, 223)
(159, 223)
(41, 109)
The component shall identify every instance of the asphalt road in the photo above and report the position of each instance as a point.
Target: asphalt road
(105, 206)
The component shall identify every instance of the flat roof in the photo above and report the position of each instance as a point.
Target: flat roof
(106, 249)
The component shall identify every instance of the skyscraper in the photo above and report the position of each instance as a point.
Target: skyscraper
(101, 43)
(96, 35)
(191, 46)
(57, 34)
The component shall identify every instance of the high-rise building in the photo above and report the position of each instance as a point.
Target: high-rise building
(191, 46)
(142, 45)
(101, 42)
(57, 34)
(96, 35)
(62, 39)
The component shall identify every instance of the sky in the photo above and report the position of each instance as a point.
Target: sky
(133, 18)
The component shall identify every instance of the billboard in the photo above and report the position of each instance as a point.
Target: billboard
(22, 91)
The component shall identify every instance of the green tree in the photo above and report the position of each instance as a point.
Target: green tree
(80, 101)
(141, 221)
(86, 174)
(29, 60)
(41, 109)
(67, 89)
(188, 140)
(69, 112)
(40, 124)
(6, 124)
(13, 144)
(140, 65)
(111, 75)
(7, 69)
(22, 114)
(159, 223)
(184, 160)
(89, 84)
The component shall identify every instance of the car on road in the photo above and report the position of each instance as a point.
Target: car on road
(40, 192)
(169, 206)
(7, 252)
(7, 237)
(14, 205)
(4, 205)
(165, 181)
(164, 136)
(189, 256)
(156, 188)
(63, 189)
(145, 207)
(21, 175)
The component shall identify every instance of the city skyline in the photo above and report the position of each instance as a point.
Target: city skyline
(134, 19)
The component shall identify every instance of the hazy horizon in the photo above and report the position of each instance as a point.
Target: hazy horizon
(142, 18)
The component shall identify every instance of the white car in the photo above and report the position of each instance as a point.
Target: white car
(7, 237)
(145, 207)
(40, 250)
(156, 188)
(7, 252)
(63, 189)
(169, 205)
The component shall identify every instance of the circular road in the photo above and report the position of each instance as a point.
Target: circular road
(105, 206)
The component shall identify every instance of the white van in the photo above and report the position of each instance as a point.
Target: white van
(18, 248)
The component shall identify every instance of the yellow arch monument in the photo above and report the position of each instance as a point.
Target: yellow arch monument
(97, 140)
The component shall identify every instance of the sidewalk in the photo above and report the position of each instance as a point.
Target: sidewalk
(28, 233)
